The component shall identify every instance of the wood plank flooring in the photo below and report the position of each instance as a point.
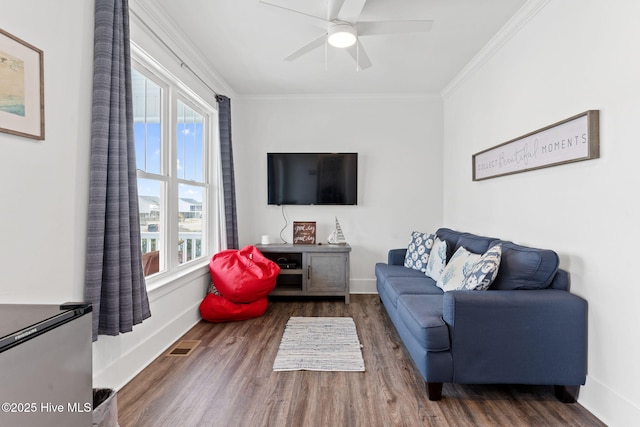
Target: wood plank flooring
(228, 381)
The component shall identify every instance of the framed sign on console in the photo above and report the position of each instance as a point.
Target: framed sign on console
(571, 140)
(304, 232)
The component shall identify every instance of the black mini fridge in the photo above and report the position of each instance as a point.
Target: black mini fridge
(45, 365)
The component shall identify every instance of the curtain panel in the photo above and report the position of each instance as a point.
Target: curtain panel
(228, 180)
(115, 282)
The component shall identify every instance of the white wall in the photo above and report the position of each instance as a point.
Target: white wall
(44, 183)
(399, 144)
(572, 56)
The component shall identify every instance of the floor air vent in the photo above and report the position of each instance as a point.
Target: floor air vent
(183, 348)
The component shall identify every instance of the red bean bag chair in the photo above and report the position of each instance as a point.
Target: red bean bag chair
(243, 276)
(216, 308)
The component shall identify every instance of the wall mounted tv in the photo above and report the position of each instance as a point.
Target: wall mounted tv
(312, 178)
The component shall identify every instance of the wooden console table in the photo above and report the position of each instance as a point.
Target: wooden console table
(310, 270)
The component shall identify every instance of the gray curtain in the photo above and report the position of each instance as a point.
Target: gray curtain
(114, 278)
(228, 180)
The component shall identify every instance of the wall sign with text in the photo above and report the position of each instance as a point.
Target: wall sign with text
(572, 140)
(304, 232)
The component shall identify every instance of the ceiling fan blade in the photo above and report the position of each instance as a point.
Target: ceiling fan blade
(334, 9)
(351, 10)
(314, 44)
(393, 27)
(359, 55)
(312, 19)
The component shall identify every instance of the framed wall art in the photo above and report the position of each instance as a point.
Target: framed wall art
(571, 140)
(21, 87)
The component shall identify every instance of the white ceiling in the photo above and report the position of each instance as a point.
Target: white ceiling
(246, 42)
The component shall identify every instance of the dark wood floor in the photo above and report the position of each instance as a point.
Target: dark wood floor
(228, 381)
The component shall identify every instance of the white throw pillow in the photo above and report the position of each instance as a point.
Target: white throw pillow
(437, 259)
(418, 251)
(454, 273)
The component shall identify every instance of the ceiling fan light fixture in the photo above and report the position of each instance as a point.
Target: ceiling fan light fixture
(342, 35)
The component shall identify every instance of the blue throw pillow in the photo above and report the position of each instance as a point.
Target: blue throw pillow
(437, 259)
(418, 251)
(484, 271)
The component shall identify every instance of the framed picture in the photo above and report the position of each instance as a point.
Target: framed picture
(304, 232)
(571, 140)
(21, 87)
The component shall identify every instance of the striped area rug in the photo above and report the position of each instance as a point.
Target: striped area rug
(319, 344)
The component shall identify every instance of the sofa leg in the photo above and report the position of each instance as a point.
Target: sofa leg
(434, 390)
(567, 393)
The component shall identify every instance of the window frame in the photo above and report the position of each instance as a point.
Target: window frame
(172, 91)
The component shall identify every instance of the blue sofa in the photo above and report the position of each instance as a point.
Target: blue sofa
(527, 328)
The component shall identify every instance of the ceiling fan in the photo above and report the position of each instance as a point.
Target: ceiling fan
(343, 30)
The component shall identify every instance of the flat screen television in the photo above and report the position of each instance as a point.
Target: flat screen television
(312, 178)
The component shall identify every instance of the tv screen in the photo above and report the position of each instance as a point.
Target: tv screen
(312, 178)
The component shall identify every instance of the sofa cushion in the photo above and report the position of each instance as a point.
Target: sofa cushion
(471, 242)
(422, 316)
(396, 256)
(475, 244)
(454, 273)
(384, 271)
(437, 259)
(418, 250)
(394, 287)
(522, 267)
(484, 272)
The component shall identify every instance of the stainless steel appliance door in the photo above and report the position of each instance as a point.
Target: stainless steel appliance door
(47, 380)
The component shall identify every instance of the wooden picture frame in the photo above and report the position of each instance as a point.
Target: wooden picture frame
(304, 232)
(21, 87)
(571, 140)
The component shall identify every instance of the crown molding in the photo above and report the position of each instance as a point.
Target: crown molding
(530, 9)
(155, 17)
(273, 99)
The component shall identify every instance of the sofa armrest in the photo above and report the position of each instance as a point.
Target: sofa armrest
(528, 336)
(396, 256)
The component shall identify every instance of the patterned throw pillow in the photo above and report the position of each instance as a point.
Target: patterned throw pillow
(418, 251)
(485, 271)
(437, 259)
(459, 266)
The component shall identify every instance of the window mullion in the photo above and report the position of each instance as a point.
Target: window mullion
(172, 168)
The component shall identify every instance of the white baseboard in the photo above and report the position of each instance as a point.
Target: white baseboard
(362, 286)
(132, 362)
(606, 404)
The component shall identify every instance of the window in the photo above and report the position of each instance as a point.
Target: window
(174, 139)
(189, 167)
